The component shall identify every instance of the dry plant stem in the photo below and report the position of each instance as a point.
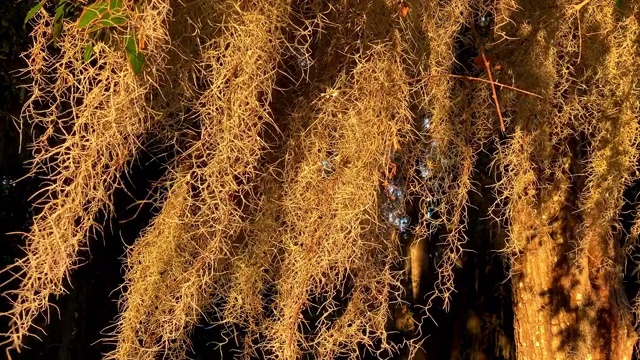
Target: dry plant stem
(180, 267)
(97, 137)
(333, 234)
(255, 266)
(450, 155)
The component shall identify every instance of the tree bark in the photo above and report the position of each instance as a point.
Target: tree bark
(567, 303)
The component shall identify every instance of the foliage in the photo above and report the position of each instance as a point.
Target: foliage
(99, 18)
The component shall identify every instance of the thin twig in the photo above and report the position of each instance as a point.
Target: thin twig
(493, 89)
(489, 82)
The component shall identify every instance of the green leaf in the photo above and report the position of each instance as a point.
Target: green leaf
(92, 13)
(57, 22)
(88, 52)
(34, 10)
(135, 57)
(57, 31)
(109, 20)
(60, 10)
(619, 3)
(115, 5)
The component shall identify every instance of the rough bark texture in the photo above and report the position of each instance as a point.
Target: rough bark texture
(567, 303)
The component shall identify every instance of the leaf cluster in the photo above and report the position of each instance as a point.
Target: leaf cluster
(101, 19)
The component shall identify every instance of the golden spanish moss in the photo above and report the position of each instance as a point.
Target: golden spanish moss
(94, 115)
(337, 147)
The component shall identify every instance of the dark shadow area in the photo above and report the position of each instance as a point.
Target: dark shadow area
(479, 324)
(15, 207)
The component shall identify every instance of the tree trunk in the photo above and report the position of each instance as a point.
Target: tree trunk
(567, 303)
